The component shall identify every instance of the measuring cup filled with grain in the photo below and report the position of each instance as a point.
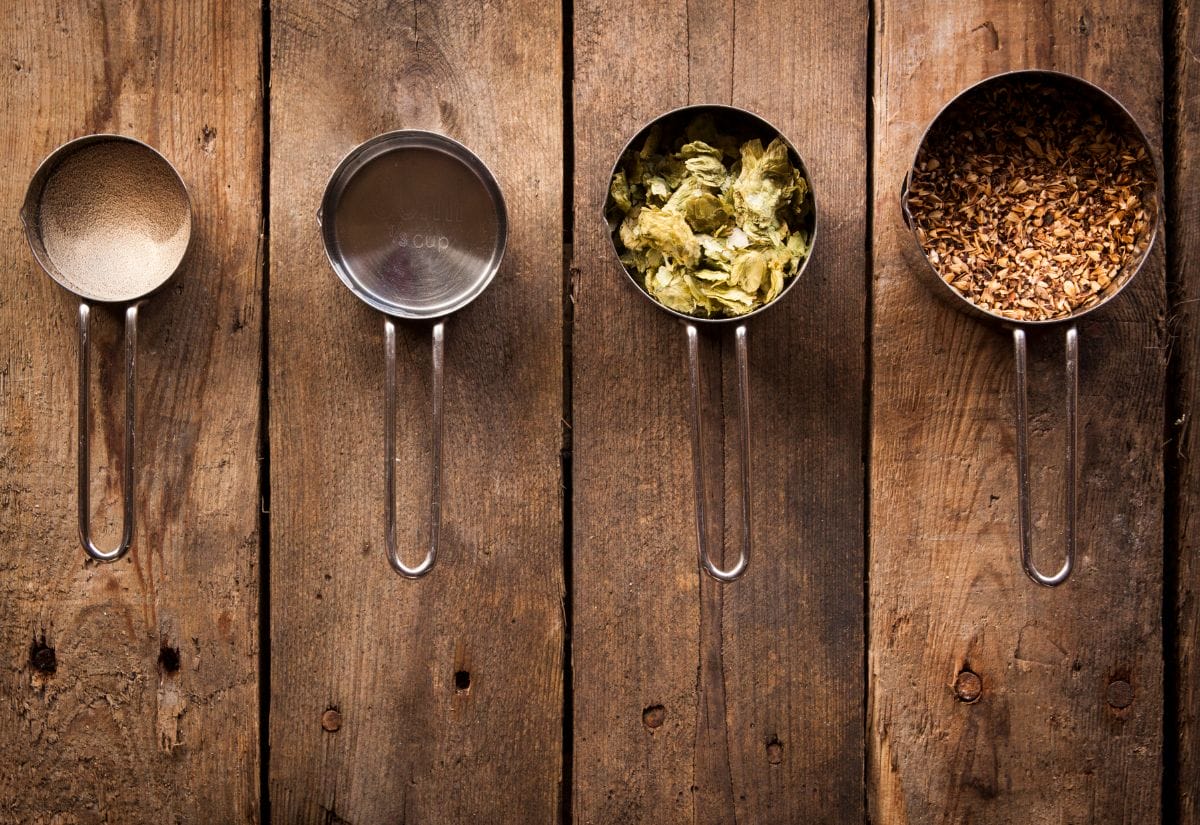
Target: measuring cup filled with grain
(1034, 198)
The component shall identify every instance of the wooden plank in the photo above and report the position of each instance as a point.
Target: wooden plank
(1182, 798)
(665, 728)
(146, 710)
(414, 742)
(1051, 737)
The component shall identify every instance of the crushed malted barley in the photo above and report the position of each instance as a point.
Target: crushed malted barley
(1031, 204)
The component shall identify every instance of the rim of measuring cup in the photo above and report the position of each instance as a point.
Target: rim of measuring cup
(33, 199)
(962, 302)
(362, 154)
(733, 112)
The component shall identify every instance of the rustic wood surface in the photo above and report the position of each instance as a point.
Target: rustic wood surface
(448, 690)
(130, 691)
(1183, 251)
(1068, 725)
(696, 702)
(566, 661)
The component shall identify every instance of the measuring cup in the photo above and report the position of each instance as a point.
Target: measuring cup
(414, 224)
(110, 220)
(1119, 120)
(742, 125)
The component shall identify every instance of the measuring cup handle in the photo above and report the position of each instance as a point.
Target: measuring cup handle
(743, 368)
(1024, 507)
(389, 444)
(127, 459)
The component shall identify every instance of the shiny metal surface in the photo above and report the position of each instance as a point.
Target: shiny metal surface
(743, 367)
(110, 220)
(83, 461)
(745, 126)
(389, 451)
(1119, 116)
(415, 225)
(1023, 502)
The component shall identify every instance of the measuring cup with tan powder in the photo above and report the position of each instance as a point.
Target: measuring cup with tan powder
(109, 219)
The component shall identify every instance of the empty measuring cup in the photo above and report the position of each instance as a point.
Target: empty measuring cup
(739, 126)
(414, 224)
(964, 119)
(110, 220)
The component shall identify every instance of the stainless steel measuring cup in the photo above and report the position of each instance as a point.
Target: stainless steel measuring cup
(742, 125)
(110, 220)
(1118, 118)
(415, 225)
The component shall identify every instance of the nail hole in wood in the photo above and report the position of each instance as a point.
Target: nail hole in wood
(462, 681)
(42, 657)
(653, 716)
(168, 659)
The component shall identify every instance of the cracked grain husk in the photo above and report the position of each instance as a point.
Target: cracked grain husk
(1029, 204)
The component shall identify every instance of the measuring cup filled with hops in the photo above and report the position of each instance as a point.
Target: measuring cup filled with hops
(1034, 199)
(711, 213)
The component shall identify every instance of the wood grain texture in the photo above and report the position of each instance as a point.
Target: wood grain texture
(694, 702)
(113, 734)
(1042, 744)
(415, 743)
(1183, 245)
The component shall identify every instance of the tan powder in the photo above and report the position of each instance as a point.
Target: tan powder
(114, 220)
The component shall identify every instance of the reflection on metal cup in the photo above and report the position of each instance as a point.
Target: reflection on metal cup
(414, 225)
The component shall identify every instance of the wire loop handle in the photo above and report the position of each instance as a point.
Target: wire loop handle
(389, 444)
(127, 459)
(743, 368)
(1024, 507)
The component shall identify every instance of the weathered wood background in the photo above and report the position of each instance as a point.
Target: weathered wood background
(449, 690)
(1068, 726)
(130, 691)
(884, 660)
(694, 701)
